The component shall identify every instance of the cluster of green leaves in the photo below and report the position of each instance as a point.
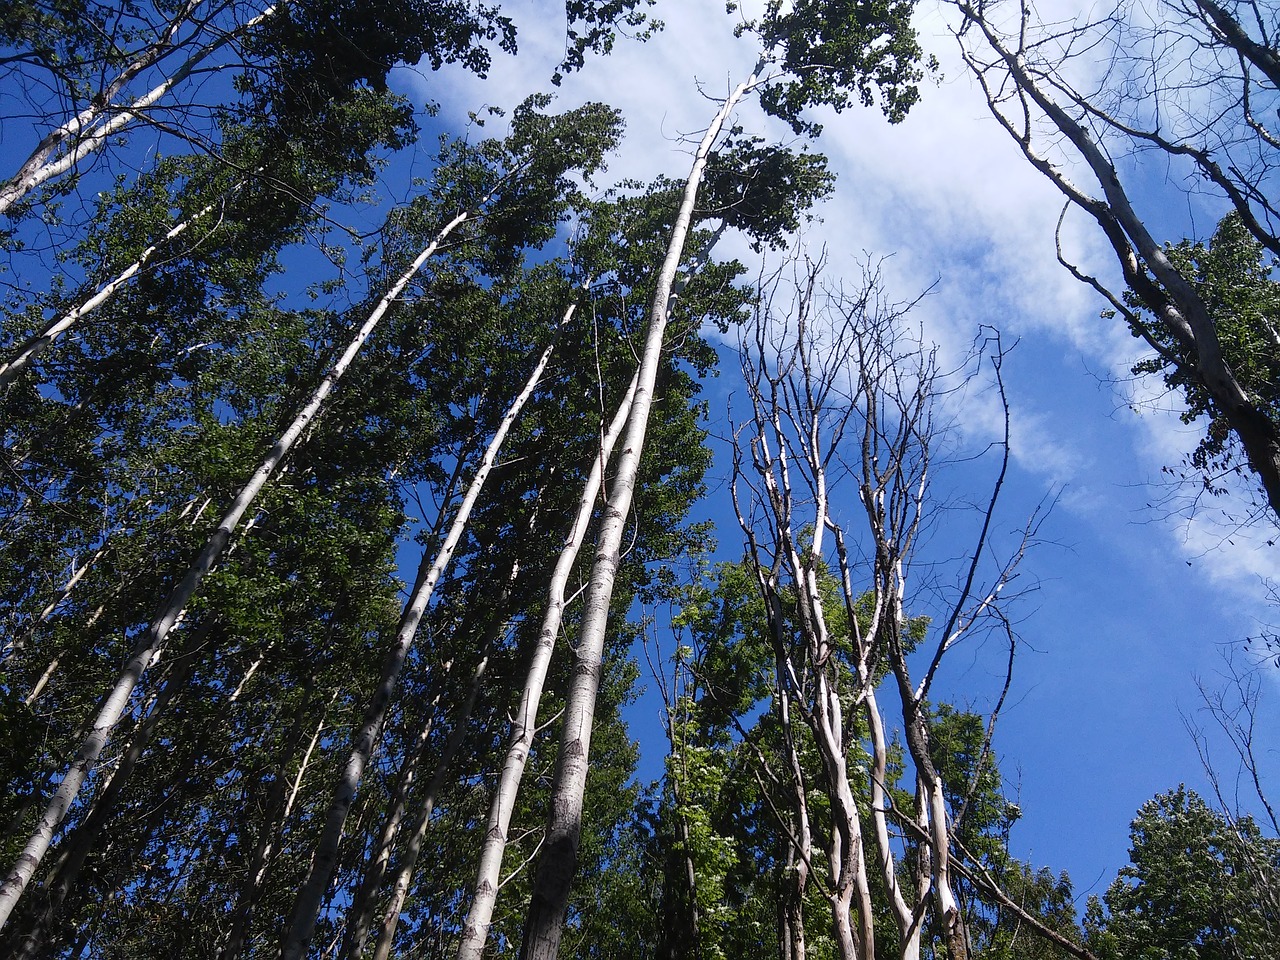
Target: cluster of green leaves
(1232, 274)
(1199, 886)
(842, 52)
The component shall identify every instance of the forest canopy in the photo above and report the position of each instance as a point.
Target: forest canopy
(435, 524)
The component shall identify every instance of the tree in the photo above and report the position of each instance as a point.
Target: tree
(1150, 99)
(841, 389)
(1187, 891)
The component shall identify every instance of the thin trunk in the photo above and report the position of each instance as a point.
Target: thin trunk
(273, 820)
(523, 727)
(151, 643)
(41, 342)
(81, 841)
(799, 857)
(933, 807)
(38, 687)
(302, 923)
(63, 148)
(908, 925)
(559, 860)
(409, 862)
(683, 836)
(365, 902)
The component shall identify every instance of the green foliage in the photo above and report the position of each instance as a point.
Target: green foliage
(1197, 887)
(1232, 274)
(838, 53)
(763, 190)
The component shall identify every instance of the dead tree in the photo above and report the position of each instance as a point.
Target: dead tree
(833, 474)
(1199, 89)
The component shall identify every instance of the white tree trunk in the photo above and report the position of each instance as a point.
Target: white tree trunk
(273, 821)
(558, 862)
(61, 149)
(82, 839)
(38, 344)
(303, 921)
(409, 862)
(149, 647)
(523, 727)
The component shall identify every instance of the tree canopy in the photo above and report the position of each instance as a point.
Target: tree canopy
(356, 460)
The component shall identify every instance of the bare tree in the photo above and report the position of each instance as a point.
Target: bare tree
(843, 396)
(1196, 87)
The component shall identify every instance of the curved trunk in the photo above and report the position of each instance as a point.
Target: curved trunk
(67, 870)
(559, 860)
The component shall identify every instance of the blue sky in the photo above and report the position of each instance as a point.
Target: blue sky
(1132, 601)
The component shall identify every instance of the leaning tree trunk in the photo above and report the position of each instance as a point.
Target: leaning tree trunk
(150, 645)
(42, 341)
(67, 870)
(306, 909)
(62, 149)
(559, 859)
(364, 902)
(272, 821)
(524, 726)
(409, 861)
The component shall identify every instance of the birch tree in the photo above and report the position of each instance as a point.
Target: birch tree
(151, 646)
(366, 739)
(524, 725)
(113, 69)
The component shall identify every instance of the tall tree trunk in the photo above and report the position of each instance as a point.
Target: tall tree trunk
(907, 919)
(409, 860)
(524, 726)
(67, 869)
(273, 819)
(302, 923)
(364, 903)
(150, 645)
(559, 859)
